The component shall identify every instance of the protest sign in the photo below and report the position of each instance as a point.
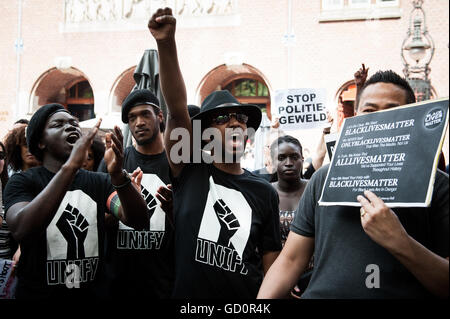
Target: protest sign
(393, 153)
(7, 280)
(300, 109)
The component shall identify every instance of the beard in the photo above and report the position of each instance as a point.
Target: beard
(148, 140)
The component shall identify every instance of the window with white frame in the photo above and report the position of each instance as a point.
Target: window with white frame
(359, 3)
(332, 4)
(387, 3)
(353, 10)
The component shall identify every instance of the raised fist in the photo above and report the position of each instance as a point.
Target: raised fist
(228, 222)
(162, 24)
(74, 227)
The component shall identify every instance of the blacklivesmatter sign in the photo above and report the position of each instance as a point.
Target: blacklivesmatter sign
(300, 108)
(393, 153)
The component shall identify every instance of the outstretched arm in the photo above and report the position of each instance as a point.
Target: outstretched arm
(360, 77)
(162, 27)
(287, 268)
(132, 209)
(321, 151)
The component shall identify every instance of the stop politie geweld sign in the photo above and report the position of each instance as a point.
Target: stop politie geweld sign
(298, 109)
(393, 153)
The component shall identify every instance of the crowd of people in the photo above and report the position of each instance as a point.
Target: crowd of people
(87, 218)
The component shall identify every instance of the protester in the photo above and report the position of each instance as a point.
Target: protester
(408, 246)
(18, 157)
(3, 167)
(94, 155)
(5, 248)
(56, 211)
(287, 156)
(147, 266)
(226, 218)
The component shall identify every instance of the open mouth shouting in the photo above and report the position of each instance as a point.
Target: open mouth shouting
(235, 139)
(73, 137)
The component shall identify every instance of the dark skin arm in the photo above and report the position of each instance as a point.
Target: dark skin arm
(360, 77)
(321, 150)
(132, 203)
(165, 196)
(162, 27)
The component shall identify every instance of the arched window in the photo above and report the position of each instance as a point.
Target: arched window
(80, 100)
(251, 91)
(69, 87)
(121, 88)
(346, 97)
(245, 83)
(243, 88)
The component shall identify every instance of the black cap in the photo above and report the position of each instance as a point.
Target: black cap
(37, 124)
(138, 97)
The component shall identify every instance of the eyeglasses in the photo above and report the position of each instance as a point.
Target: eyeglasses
(225, 118)
(2, 155)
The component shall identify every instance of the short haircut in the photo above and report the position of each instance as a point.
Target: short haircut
(388, 76)
(284, 139)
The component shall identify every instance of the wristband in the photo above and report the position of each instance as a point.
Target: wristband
(124, 184)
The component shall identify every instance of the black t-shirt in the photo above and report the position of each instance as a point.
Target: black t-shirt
(74, 236)
(344, 255)
(142, 260)
(263, 173)
(309, 172)
(224, 225)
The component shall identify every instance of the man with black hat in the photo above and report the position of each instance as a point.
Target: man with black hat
(144, 260)
(56, 211)
(226, 218)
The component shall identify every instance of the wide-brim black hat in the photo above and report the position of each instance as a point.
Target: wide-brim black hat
(223, 101)
(138, 97)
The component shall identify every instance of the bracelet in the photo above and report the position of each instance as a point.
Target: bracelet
(124, 184)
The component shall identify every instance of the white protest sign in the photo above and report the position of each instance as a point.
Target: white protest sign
(299, 109)
(7, 282)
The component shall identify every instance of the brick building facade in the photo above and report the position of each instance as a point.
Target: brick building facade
(278, 43)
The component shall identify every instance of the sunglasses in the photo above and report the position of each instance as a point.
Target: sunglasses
(225, 118)
(2, 155)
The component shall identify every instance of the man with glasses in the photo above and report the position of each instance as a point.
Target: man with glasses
(226, 218)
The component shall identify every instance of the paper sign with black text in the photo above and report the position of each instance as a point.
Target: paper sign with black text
(300, 109)
(393, 153)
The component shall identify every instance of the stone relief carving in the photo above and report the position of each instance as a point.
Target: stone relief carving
(80, 11)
